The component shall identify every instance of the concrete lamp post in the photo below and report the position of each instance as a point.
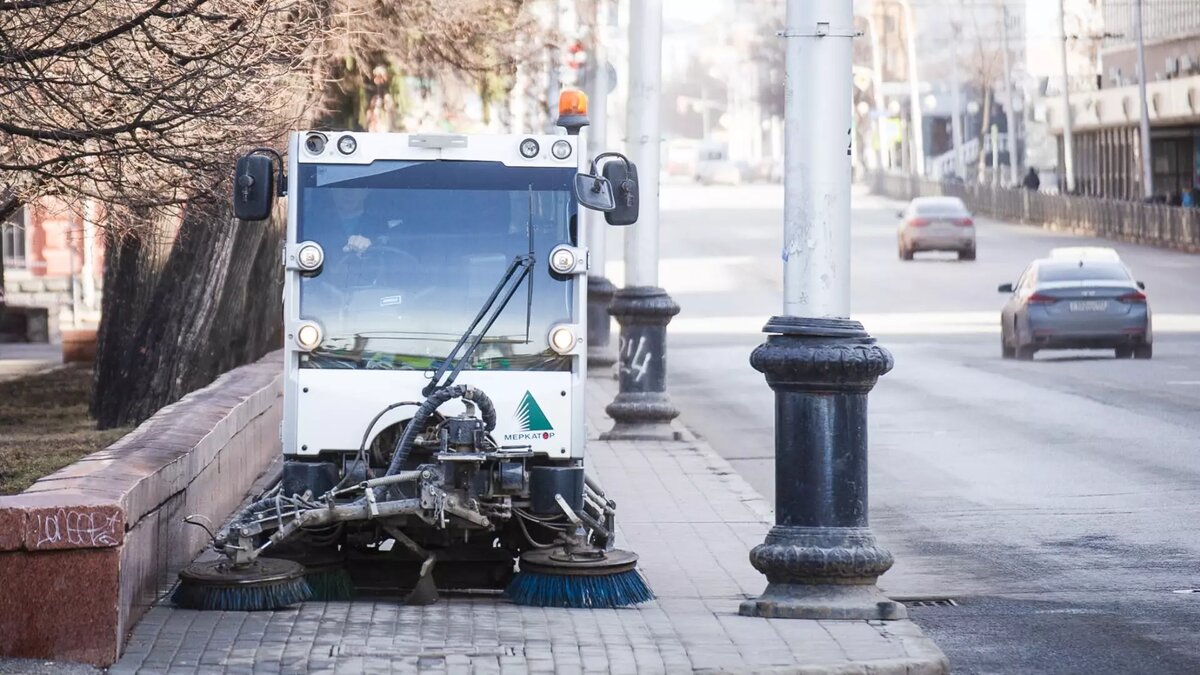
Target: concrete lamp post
(821, 559)
(642, 409)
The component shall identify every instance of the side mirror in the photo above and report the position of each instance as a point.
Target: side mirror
(1142, 285)
(1005, 288)
(594, 192)
(900, 214)
(623, 177)
(253, 188)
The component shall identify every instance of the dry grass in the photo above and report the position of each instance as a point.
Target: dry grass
(44, 426)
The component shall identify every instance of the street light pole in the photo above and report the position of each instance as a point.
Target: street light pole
(642, 410)
(1010, 119)
(553, 57)
(600, 289)
(914, 93)
(821, 559)
(877, 88)
(956, 130)
(1147, 166)
(1068, 121)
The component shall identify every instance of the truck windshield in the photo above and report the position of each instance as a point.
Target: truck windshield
(414, 249)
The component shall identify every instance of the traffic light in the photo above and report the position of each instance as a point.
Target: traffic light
(577, 55)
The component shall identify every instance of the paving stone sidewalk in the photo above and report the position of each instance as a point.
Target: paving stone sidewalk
(691, 518)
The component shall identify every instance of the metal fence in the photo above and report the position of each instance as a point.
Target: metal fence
(1150, 224)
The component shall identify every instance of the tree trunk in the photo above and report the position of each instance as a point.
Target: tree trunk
(215, 306)
(131, 269)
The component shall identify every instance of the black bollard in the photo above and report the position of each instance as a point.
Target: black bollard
(642, 410)
(600, 294)
(821, 559)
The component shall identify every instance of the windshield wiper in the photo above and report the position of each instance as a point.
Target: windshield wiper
(520, 269)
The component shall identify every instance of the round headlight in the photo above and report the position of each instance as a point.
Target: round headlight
(347, 145)
(308, 336)
(310, 257)
(562, 340)
(530, 148)
(561, 149)
(562, 260)
(314, 144)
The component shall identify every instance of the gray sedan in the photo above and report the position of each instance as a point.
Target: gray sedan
(1076, 304)
(936, 224)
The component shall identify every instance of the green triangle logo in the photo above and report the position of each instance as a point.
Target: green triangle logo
(530, 416)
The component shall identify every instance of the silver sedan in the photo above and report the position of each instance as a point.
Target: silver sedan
(936, 224)
(1076, 304)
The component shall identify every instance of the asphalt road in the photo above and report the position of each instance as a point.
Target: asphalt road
(1055, 501)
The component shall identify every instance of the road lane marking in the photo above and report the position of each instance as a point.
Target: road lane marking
(903, 323)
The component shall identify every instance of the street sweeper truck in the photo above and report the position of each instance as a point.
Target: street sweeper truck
(435, 362)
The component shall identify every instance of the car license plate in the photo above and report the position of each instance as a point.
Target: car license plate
(1089, 306)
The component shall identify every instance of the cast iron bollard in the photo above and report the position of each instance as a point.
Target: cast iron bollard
(821, 559)
(600, 294)
(642, 410)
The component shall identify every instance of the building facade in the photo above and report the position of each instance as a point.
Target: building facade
(1106, 116)
(54, 259)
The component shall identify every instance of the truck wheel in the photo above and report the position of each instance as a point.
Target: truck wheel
(1024, 353)
(1143, 352)
(968, 254)
(1006, 352)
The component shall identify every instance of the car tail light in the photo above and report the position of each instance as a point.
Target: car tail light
(964, 222)
(1135, 296)
(918, 222)
(1040, 299)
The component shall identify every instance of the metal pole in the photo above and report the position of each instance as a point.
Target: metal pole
(600, 289)
(553, 63)
(1010, 120)
(645, 91)
(1068, 122)
(960, 164)
(642, 410)
(914, 95)
(816, 201)
(821, 559)
(1147, 166)
(877, 86)
(995, 133)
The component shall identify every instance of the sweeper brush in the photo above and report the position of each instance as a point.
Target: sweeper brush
(592, 579)
(266, 583)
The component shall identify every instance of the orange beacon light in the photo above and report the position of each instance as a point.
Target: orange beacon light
(572, 110)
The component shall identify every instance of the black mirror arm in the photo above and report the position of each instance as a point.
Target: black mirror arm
(245, 182)
(607, 155)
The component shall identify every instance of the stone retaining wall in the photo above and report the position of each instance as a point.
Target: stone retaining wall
(85, 550)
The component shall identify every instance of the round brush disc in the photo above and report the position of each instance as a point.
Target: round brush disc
(260, 572)
(584, 563)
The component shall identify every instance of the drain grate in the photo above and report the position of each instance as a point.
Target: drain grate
(928, 602)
